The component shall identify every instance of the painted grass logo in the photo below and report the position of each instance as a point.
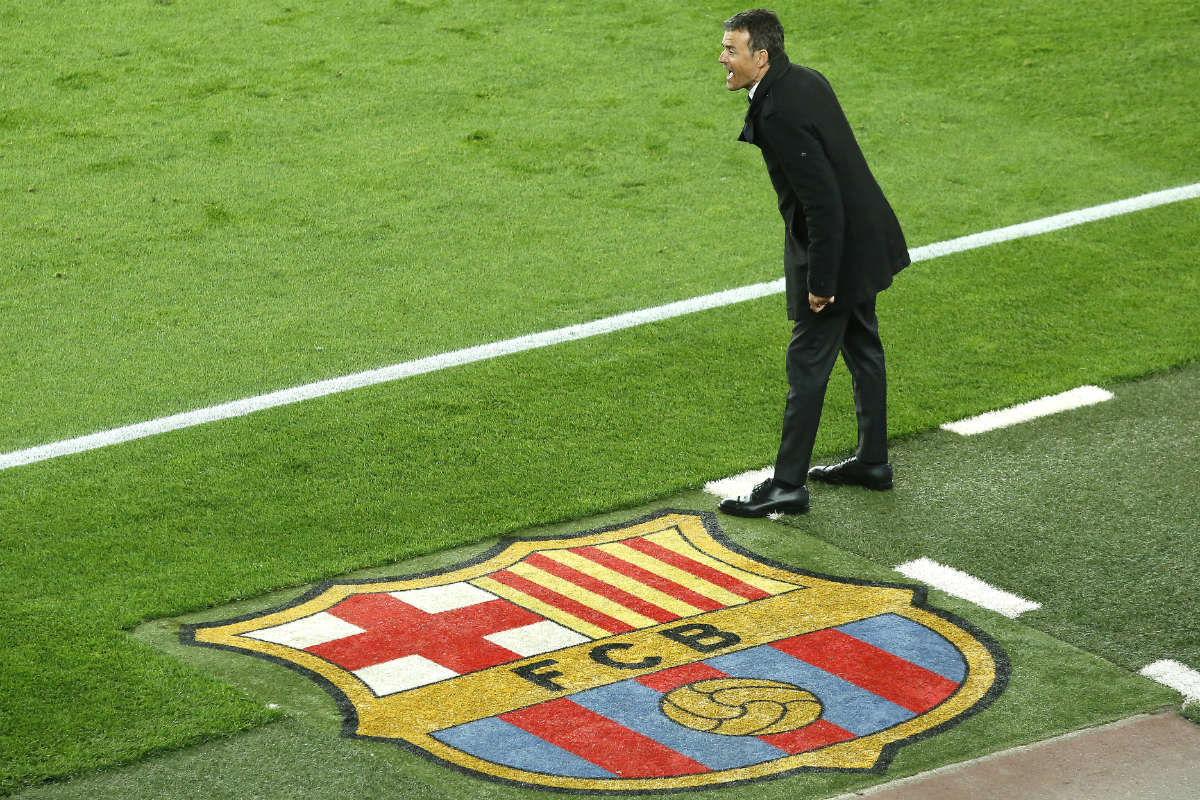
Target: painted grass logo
(656, 656)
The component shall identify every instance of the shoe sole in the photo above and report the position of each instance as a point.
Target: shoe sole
(760, 515)
(875, 487)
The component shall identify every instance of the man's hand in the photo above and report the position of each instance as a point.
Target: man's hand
(817, 304)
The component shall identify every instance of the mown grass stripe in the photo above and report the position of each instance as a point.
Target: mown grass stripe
(533, 341)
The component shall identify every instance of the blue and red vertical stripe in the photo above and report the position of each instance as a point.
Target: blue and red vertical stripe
(869, 675)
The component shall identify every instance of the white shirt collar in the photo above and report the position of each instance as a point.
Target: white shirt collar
(752, 88)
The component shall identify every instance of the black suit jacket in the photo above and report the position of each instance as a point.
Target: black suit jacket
(843, 238)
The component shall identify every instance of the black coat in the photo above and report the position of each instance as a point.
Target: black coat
(843, 238)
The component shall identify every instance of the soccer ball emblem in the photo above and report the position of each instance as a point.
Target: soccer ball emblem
(741, 706)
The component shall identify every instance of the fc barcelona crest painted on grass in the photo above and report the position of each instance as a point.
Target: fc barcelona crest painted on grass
(657, 656)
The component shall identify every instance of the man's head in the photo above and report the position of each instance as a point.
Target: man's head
(753, 39)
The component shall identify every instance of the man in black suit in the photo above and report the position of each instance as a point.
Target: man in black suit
(842, 246)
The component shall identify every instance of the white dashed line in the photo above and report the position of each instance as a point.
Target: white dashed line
(1177, 676)
(1042, 407)
(968, 587)
(738, 485)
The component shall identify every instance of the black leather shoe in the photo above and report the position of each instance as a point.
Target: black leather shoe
(853, 472)
(767, 498)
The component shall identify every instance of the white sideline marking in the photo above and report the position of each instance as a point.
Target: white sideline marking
(483, 352)
(239, 408)
(1042, 407)
(968, 587)
(1058, 222)
(1177, 676)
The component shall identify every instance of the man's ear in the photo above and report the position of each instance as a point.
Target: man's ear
(761, 58)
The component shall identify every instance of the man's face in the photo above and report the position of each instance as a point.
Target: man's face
(743, 68)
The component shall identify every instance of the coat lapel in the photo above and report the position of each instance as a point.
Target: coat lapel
(747, 134)
(760, 98)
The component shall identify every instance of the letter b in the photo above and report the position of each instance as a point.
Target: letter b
(701, 637)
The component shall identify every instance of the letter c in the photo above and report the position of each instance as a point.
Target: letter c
(600, 654)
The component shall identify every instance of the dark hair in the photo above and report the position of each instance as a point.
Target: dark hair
(766, 32)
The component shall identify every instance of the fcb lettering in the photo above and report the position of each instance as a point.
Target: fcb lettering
(655, 656)
(701, 638)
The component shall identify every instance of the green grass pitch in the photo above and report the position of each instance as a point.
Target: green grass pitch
(207, 201)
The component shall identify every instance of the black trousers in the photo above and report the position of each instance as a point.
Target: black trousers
(816, 341)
